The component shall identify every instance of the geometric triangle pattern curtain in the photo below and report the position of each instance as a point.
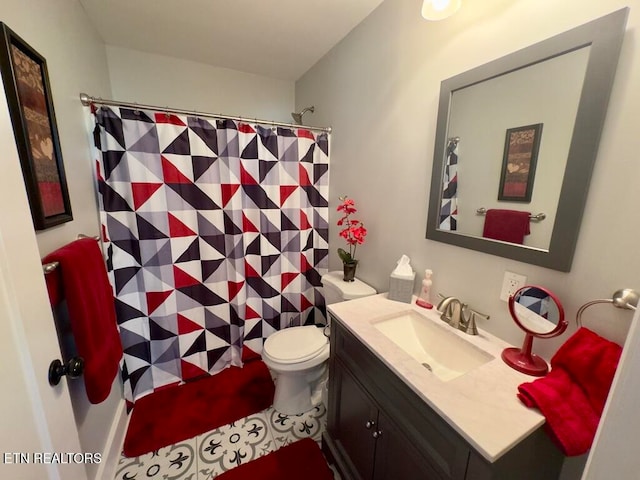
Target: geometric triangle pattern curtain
(216, 236)
(449, 203)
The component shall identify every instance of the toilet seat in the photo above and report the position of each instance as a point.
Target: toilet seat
(295, 344)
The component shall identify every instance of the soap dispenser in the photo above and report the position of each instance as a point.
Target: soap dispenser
(424, 300)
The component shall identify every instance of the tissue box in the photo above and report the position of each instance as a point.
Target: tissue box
(401, 288)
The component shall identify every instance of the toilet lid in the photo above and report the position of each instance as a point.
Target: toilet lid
(295, 344)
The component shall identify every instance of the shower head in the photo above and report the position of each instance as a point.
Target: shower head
(297, 117)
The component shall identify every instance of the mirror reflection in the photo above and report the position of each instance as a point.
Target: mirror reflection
(536, 310)
(537, 112)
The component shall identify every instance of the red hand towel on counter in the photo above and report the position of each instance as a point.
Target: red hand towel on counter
(90, 302)
(573, 394)
(506, 225)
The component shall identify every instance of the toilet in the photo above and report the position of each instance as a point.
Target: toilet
(297, 356)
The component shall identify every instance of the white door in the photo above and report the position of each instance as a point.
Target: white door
(36, 420)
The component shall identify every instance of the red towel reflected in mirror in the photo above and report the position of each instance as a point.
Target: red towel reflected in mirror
(506, 225)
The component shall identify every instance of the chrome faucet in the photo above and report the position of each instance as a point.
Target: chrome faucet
(459, 315)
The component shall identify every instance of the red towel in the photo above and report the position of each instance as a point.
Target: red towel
(81, 278)
(573, 394)
(506, 225)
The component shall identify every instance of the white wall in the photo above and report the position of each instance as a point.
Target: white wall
(379, 89)
(165, 81)
(76, 60)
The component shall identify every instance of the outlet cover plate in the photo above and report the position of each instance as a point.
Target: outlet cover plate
(510, 284)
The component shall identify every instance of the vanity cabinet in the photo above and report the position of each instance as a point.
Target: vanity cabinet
(379, 429)
(370, 441)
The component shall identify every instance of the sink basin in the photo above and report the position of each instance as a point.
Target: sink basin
(435, 346)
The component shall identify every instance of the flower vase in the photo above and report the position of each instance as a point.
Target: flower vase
(349, 270)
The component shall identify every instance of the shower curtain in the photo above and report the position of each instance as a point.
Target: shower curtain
(449, 205)
(216, 235)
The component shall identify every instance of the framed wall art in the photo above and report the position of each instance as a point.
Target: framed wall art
(26, 83)
(519, 163)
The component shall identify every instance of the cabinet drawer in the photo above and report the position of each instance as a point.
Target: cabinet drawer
(443, 448)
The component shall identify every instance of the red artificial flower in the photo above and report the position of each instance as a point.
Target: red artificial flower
(353, 231)
(347, 206)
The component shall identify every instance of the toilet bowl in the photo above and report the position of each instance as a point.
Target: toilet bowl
(297, 356)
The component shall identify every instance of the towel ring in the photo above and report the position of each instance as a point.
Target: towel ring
(625, 298)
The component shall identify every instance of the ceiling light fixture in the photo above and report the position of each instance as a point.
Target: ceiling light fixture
(439, 9)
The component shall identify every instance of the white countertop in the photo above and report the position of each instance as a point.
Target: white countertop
(480, 405)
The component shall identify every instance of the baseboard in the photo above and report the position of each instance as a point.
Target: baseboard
(113, 447)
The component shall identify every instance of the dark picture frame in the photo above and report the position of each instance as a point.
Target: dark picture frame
(26, 83)
(519, 163)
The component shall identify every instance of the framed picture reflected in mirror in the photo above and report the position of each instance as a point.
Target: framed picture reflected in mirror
(519, 163)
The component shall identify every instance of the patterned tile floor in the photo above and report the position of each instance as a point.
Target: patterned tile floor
(206, 456)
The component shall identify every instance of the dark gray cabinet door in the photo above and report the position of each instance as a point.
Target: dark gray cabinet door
(375, 448)
(355, 421)
(396, 457)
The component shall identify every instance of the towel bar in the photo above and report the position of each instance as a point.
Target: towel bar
(538, 217)
(82, 235)
(51, 266)
(624, 298)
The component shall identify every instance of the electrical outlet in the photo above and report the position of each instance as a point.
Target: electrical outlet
(510, 284)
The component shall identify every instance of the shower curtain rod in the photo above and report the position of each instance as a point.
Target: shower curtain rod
(88, 100)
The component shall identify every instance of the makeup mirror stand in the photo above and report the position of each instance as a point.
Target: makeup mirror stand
(523, 360)
(544, 305)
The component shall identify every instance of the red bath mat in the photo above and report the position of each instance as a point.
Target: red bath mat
(300, 460)
(177, 413)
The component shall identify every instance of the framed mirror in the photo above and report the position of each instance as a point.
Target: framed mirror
(516, 140)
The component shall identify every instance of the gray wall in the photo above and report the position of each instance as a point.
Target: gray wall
(379, 89)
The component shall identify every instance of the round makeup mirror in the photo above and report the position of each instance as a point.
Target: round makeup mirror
(539, 313)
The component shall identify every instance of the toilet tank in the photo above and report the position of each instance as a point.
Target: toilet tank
(337, 290)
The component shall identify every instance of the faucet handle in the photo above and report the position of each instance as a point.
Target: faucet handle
(470, 327)
(478, 314)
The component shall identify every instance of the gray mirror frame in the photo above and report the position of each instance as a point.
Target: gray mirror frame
(604, 35)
